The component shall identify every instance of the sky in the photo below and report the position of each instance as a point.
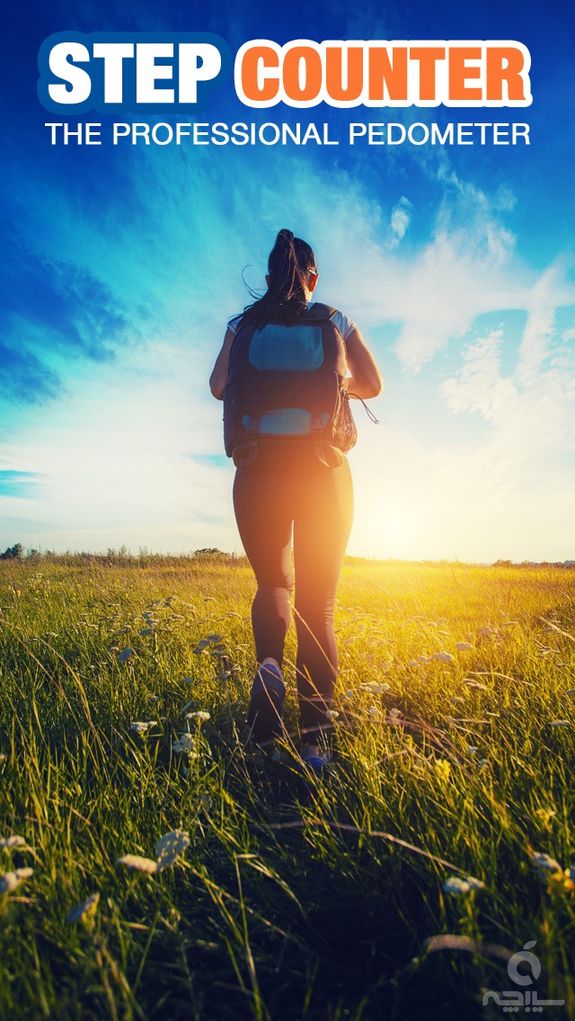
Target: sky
(122, 266)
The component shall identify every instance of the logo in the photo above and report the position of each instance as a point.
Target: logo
(523, 968)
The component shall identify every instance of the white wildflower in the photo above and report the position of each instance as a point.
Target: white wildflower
(13, 841)
(375, 687)
(140, 864)
(10, 881)
(455, 885)
(475, 884)
(168, 849)
(444, 657)
(185, 743)
(86, 908)
(374, 712)
(332, 714)
(463, 646)
(472, 749)
(544, 863)
(459, 887)
(170, 846)
(142, 726)
(199, 714)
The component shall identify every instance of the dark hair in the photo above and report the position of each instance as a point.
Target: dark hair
(290, 262)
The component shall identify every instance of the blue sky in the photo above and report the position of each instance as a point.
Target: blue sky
(122, 266)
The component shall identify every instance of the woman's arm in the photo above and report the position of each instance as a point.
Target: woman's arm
(366, 379)
(219, 376)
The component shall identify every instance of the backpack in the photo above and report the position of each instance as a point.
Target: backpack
(285, 379)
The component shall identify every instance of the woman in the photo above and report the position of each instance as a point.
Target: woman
(286, 483)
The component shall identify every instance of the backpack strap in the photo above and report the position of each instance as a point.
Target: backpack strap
(321, 311)
(245, 453)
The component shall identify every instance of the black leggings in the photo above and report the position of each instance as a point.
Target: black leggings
(318, 501)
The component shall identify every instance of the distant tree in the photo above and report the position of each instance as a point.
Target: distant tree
(15, 552)
(210, 552)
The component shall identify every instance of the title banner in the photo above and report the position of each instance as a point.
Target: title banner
(121, 73)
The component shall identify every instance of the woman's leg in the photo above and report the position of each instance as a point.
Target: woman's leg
(323, 519)
(264, 518)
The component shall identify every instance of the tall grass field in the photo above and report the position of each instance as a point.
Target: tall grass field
(154, 867)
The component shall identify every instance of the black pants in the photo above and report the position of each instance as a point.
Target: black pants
(268, 499)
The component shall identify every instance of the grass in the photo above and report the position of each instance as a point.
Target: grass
(292, 901)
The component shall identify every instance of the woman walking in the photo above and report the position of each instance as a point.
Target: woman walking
(281, 375)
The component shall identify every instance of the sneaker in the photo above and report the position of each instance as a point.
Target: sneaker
(265, 712)
(315, 760)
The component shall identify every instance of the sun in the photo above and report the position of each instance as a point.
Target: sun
(384, 529)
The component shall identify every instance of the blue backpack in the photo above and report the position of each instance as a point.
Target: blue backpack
(285, 379)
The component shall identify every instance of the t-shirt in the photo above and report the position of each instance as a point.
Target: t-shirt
(344, 324)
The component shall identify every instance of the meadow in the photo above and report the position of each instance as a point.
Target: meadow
(439, 845)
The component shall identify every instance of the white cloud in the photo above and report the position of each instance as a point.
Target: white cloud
(400, 220)
(469, 265)
(480, 385)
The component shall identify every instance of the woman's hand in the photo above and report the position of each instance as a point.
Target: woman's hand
(219, 376)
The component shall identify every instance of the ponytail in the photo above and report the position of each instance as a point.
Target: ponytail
(290, 262)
